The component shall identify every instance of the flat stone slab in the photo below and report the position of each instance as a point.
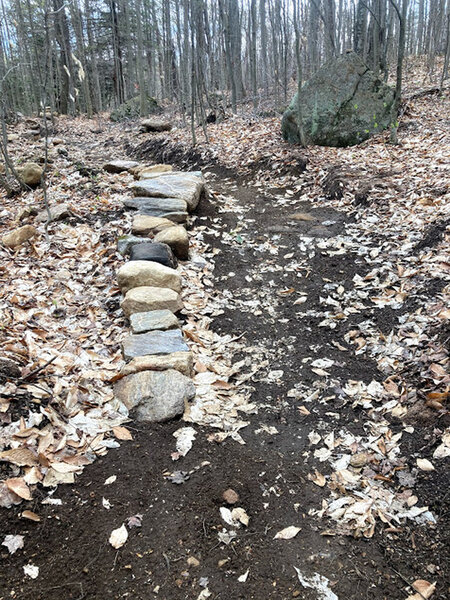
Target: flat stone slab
(157, 204)
(118, 166)
(146, 298)
(154, 252)
(172, 185)
(57, 212)
(178, 218)
(155, 396)
(154, 342)
(180, 361)
(139, 273)
(153, 320)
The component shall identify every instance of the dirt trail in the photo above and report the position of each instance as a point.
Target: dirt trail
(264, 265)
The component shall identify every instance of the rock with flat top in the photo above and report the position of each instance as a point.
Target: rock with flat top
(158, 207)
(180, 361)
(177, 238)
(148, 225)
(153, 320)
(147, 171)
(155, 396)
(57, 212)
(119, 166)
(147, 298)
(19, 236)
(182, 186)
(154, 252)
(155, 125)
(153, 342)
(139, 273)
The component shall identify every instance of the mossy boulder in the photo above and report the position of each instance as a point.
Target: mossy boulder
(342, 104)
(131, 109)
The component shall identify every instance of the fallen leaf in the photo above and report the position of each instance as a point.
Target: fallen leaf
(424, 464)
(22, 457)
(287, 533)
(13, 543)
(243, 578)
(31, 516)
(19, 487)
(31, 570)
(122, 433)
(118, 537)
(424, 588)
(110, 480)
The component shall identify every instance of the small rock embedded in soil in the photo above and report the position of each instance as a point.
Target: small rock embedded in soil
(19, 236)
(153, 320)
(146, 171)
(118, 166)
(154, 342)
(154, 252)
(155, 396)
(57, 212)
(177, 238)
(230, 496)
(302, 217)
(147, 298)
(139, 273)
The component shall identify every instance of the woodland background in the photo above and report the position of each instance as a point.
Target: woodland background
(88, 56)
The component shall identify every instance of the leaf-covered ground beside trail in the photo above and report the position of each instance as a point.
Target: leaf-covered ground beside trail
(321, 344)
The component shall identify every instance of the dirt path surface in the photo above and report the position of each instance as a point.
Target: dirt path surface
(317, 435)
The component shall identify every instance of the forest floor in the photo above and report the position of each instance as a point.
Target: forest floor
(317, 306)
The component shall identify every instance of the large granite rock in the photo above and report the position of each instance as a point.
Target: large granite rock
(126, 242)
(180, 361)
(342, 104)
(19, 236)
(139, 273)
(155, 125)
(154, 252)
(155, 396)
(153, 320)
(184, 186)
(118, 166)
(147, 225)
(177, 238)
(154, 342)
(146, 298)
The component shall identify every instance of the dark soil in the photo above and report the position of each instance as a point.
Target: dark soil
(70, 544)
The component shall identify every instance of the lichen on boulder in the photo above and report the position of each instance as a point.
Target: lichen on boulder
(342, 104)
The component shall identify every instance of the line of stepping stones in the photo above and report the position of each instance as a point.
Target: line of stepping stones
(155, 383)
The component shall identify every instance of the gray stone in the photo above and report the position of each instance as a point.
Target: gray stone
(184, 186)
(155, 396)
(146, 298)
(31, 174)
(158, 205)
(153, 320)
(126, 242)
(342, 104)
(146, 224)
(118, 166)
(155, 252)
(57, 212)
(155, 125)
(154, 342)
